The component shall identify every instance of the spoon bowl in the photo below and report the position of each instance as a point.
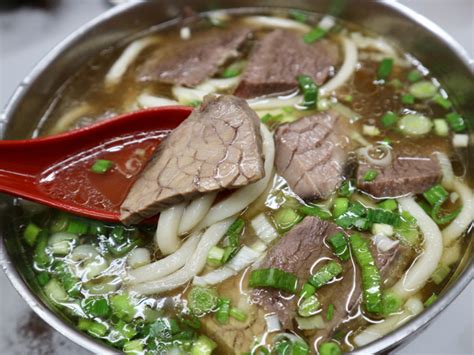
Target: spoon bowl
(43, 169)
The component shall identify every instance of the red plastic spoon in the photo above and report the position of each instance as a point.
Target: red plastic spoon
(56, 170)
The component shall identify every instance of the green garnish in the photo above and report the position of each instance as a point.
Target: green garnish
(385, 68)
(314, 35)
(101, 166)
(309, 89)
(325, 274)
(388, 119)
(370, 175)
(273, 278)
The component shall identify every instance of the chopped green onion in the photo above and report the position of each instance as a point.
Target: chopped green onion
(42, 254)
(341, 204)
(415, 125)
(443, 102)
(441, 127)
(60, 223)
(389, 205)
(97, 229)
(191, 320)
(370, 175)
(126, 330)
(43, 278)
(203, 346)
(443, 219)
(330, 312)
(436, 194)
(300, 348)
(30, 234)
(456, 122)
(375, 215)
(223, 310)
(407, 230)
(122, 307)
(233, 238)
(298, 15)
(134, 347)
(371, 131)
(388, 119)
(231, 72)
(430, 300)
(371, 281)
(325, 274)
(385, 68)
(309, 89)
(315, 211)
(414, 75)
(235, 313)
(202, 300)
(274, 278)
(215, 256)
(285, 218)
(329, 348)
(347, 188)
(441, 272)
(164, 328)
(348, 98)
(96, 307)
(423, 89)
(101, 166)
(77, 226)
(339, 246)
(194, 103)
(408, 99)
(391, 303)
(308, 290)
(396, 83)
(309, 306)
(284, 347)
(94, 328)
(269, 118)
(314, 35)
(382, 229)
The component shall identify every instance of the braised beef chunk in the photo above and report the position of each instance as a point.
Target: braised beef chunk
(407, 174)
(196, 60)
(279, 57)
(298, 252)
(217, 147)
(311, 154)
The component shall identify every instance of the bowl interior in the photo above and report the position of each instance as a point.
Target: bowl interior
(429, 44)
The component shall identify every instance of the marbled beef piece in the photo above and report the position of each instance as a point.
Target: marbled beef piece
(190, 63)
(311, 154)
(279, 57)
(217, 147)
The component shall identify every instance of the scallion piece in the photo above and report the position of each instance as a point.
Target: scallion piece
(235, 313)
(314, 35)
(325, 274)
(70, 282)
(440, 218)
(101, 166)
(122, 307)
(370, 175)
(376, 215)
(436, 194)
(441, 127)
(415, 125)
(298, 15)
(94, 328)
(408, 99)
(414, 75)
(315, 211)
(231, 72)
(330, 312)
(203, 346)
(309, 89)
(430, 300)
(60, 223)
(96, 307)
(391, 303)
(30, 234)
(43, 278)
(388, 119)
(443, 102)
(371, 281)
(194, 103)
(133, 347)
(223, 310)
(341, 204)
(215, 256)
(329, 348)
(389, 205)
(285, 218)
(41, 255)
(339, 246)
(308, 306)
(385, 68)
(347, 188)
(78, 227)
(423, 89)
(269, 118)
(456, 122)
(307, 290)
(441, 272)
(202, 300)
(233, 239)
(273, 278)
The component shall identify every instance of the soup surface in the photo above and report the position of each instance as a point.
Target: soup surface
(346, 215)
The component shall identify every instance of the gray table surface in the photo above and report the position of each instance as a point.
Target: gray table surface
(28, 33)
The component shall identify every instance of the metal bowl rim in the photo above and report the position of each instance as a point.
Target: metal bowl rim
(389, 341)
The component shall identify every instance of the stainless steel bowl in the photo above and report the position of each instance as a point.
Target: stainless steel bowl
(426, 41)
